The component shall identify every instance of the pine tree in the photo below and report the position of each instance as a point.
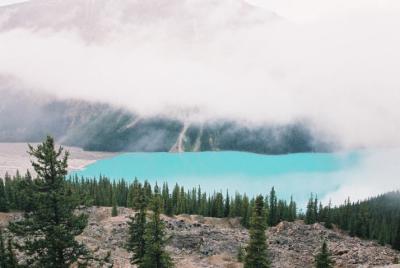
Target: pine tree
(181, 201)
(218, 206)
(273, 207)
(383, 233)
(312, 210)
(49, 230)
(167, 201)
(3, 256)
(167, 209)
(137, 225)
(396, 240)
(155, 255)
(245, 212)
(114, 210)
(7, 256)
(323, 259)
(227, 205)
(256, 256)
(292, 210)
(4, 206)
(26, 192)
(147, 191)
(241, 253)
(9, 191)
(203, 204)
(199, 198)
(11, 260)
(328, 219)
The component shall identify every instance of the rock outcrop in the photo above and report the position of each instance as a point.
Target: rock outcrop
(196, 241)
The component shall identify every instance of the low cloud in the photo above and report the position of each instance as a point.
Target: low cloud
(376, 173)
(218, 58)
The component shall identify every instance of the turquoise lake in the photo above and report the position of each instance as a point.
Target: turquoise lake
(295, 175)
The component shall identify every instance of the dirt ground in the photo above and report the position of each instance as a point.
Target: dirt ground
(13, 157)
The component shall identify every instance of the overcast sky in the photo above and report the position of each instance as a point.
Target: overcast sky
(311, 10)
(10, 2)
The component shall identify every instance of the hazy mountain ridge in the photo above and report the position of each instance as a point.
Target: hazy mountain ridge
(102, 127)
(95, 20)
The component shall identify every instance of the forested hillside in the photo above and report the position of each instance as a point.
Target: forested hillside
(102, 127)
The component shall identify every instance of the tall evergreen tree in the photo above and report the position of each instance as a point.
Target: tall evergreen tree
(155, 255)
(273, 208)
(396, 239)
(49, 230)
(241, 254)
(7, 256)
(245, 212)
(227, 205)
(203, 204)
(11, 260)
(328, 218)
(3, 256)
(256, 256)
(312, 211)
(292, 210)
(4, 206)
(218, 207)
(114, 210)
(323, 258)
(9, 190)
(26, 188)
(137, 225)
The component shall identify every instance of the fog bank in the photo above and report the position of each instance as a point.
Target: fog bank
(230, 58)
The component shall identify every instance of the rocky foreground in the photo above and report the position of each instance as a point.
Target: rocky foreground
(196, 241)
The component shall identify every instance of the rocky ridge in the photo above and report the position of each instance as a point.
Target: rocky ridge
(196, 241)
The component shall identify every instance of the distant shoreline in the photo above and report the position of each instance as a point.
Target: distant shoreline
(14, 156)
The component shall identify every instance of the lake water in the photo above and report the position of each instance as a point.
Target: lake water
(291, 174)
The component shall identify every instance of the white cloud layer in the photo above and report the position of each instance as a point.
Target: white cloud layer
(311, 10)
(11, 2)
(337, 67)
(377, 173)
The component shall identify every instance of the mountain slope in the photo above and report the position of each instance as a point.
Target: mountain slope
(26, 117)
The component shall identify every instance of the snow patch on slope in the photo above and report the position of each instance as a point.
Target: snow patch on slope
(178, 146)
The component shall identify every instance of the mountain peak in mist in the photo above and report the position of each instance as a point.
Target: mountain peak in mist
(95, 20)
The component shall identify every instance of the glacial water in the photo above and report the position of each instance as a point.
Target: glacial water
(294, 175)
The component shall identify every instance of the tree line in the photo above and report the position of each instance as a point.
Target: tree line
(377, 218)
(16, 191)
